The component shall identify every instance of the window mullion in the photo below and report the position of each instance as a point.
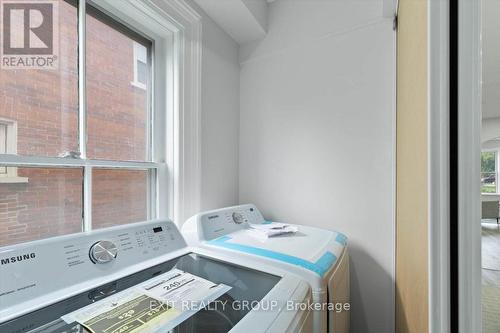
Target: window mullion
(151, 144)
(41, 161)
(82, 117)
(82, 94)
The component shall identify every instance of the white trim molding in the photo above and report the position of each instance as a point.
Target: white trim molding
(187, 180)
(184, 160)
(438, 181)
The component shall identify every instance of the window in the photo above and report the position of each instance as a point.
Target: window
(76, 143)
(118, 196)
(489, 172)
(118, 117)
(8, 145)
(89, 140)
(49, 204)
(44, 103)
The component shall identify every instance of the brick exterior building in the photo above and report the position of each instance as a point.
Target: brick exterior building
(43, 105)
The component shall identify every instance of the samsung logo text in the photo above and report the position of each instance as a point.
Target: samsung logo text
(18, 258)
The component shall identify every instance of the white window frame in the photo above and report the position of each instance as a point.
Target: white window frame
(10, 176)
(175, 29)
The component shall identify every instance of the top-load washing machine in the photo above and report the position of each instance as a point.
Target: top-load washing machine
(319, 256)
(118, 280)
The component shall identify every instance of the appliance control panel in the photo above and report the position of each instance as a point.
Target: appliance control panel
(37, 268)
(216, 223)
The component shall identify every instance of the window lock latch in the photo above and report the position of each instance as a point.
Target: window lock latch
(70, 154)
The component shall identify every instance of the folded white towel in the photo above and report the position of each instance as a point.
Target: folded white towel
(264, 231)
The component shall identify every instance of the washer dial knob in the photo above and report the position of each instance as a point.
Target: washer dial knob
(238, 218)
(103, 252)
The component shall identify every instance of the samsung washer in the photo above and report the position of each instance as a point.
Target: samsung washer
(317, 255)
(42, 281)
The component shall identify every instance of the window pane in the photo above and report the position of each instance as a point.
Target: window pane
(488, 182)
(488, 161)
(118, 197)
(117, 109)
(40, 105)
(44, 202)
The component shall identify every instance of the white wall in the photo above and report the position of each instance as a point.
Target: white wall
(317, 135)
(490, 129)
(220, 116)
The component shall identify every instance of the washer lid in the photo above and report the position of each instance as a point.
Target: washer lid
(310, 248)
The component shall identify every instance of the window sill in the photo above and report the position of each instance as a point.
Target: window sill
(13, 180)
(138, 85)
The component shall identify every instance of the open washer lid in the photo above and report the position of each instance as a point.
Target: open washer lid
(247, 286)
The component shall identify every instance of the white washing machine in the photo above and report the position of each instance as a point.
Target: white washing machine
(41, 282)
(319, 256)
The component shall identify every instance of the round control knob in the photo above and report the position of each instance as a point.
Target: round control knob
(103, 252)
(238, 218)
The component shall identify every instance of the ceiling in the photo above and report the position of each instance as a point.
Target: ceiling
(246, 20)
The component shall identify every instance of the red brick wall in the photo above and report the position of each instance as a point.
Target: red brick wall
(49, 204)
(44, 104)
(120, 197)
(116, 108)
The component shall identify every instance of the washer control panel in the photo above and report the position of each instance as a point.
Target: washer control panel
(216, 223)
(37, 268)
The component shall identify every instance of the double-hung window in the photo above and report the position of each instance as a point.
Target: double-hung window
(84, 151)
